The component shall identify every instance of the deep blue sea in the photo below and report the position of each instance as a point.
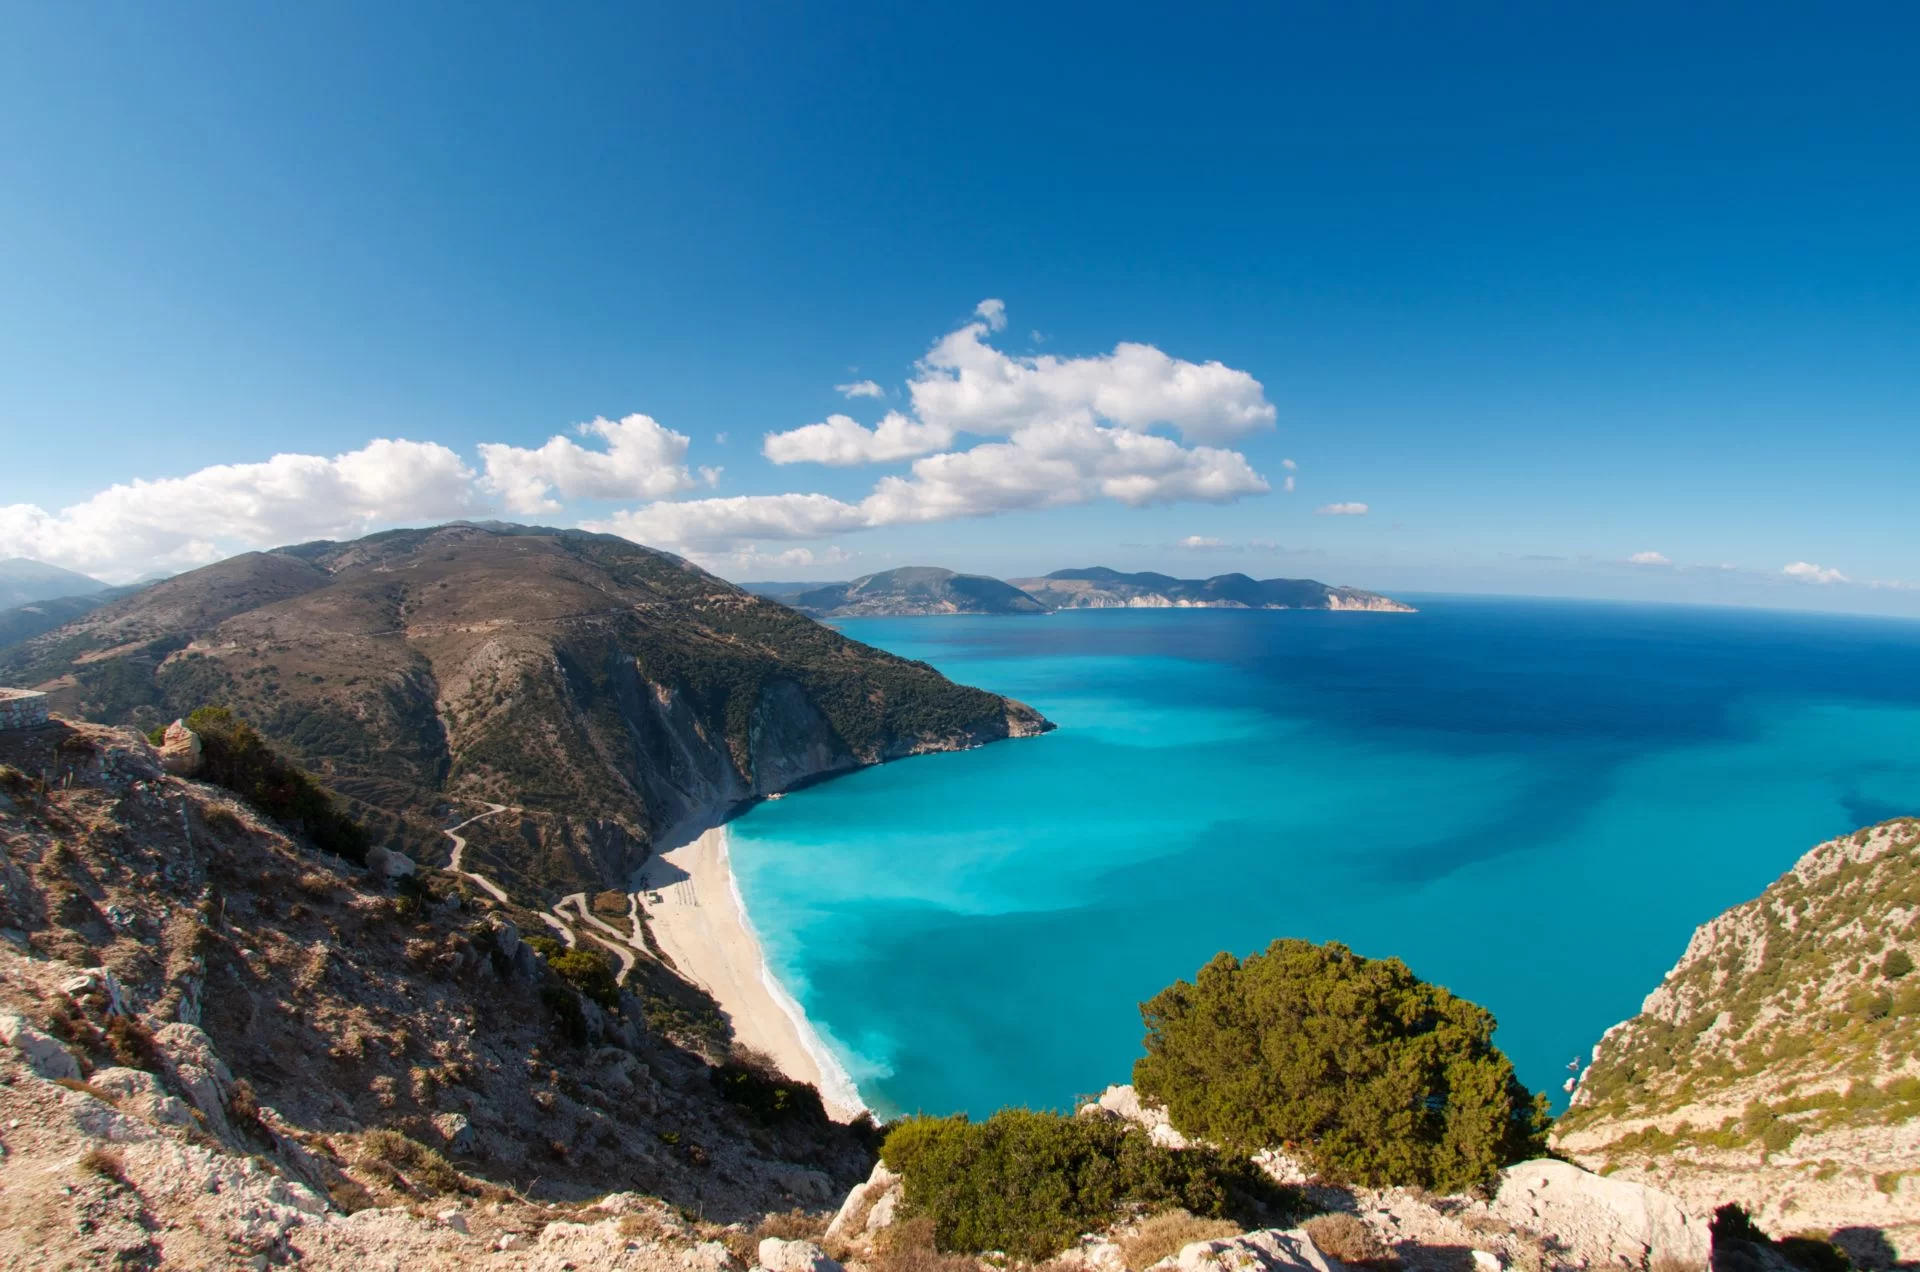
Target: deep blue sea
(1531, 802)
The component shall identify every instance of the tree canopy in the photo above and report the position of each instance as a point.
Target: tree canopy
(1357, 1066)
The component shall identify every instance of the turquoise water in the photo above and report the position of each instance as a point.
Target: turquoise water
(1533, 803)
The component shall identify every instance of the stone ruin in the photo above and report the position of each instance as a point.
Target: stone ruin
(22, 708)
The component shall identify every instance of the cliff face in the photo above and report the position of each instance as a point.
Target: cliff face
(1778, 1064)
(608, 693)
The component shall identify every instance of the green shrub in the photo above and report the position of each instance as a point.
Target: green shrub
(1030, 1183)
(1370, 1073)
(1898, 963)
(237, 757)
(754, 1084)
(590, 972)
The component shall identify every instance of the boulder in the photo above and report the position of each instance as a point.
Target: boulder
(44, 1055)
(860, 1212)
(1268, 1250)
(180, 750)
(389, 864)
(794, 1256)
(711, 1256)
(140, 1093)
(1634, 1223)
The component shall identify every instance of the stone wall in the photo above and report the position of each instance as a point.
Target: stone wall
(22, 708)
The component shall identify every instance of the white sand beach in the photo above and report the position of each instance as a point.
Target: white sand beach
(702, 925)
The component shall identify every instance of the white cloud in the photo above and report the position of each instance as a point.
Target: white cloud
(841, 442)
(1053, 466)
(642, 460)
(751, 558)
(732, 524)
(1649, 558)
(860, 389)
(993, 313)
(182, 522)
(1288, 464)
(1341, 510)
(1808, 572)
(967, 385)
(1287, 485)
(1201, 543)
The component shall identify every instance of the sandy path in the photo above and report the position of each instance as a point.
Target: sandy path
(699, 923)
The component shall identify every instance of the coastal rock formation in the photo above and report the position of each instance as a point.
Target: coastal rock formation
(1778, 1064)
(1101, 588)
(916, 590)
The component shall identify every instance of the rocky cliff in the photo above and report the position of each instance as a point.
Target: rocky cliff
(607, 693)
(1778, 1064)
(218, 1046)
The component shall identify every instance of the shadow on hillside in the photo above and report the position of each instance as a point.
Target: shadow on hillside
(1869, 1248)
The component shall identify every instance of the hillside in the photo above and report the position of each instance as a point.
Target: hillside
(23, 580)
(1102, 588)
(1778, 1064)
(610, 693)
(915, 589)
(24, 622)
(217, 1035)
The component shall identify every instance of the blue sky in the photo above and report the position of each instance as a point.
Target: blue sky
(1543, 291)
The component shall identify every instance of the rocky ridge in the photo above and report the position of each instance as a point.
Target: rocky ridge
(1778, 1063)
(1102, 588)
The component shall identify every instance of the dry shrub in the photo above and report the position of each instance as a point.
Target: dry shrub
(104, 1163)
(793, 1225)
(413, 1161)
(1169, 1233)
(132, 1043)
(350, 1195)
(87, 1088)
(1348, 1239)
(908, 1246)
(610, 904)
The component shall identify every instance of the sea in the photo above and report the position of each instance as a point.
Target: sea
(1530, 802)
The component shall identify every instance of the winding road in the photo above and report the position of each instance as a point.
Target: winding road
(625, 946)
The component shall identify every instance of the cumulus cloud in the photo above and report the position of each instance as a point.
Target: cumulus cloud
(860, 389)
(841, 441)
(750, 558)
(1054, 466)
(642, 460)
(1649, 558)
(1288, 464)
(181, 522)
(1201, 543)
(1341, 510)
(1808, 572)
(1287, 485)
(965, 385)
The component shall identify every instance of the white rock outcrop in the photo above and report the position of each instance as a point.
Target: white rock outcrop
(794, 1256)
(44, 1054)
(1634, 1223)
(1268, 1250)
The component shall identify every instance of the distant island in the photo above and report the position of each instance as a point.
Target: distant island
(923, 590)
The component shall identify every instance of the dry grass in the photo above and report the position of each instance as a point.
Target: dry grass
(908, 1247)
(792, 1225)
(1170, 1233)
(1348, 1239)
(104, 1163)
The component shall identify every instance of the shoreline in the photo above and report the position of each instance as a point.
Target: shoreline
(701, 921)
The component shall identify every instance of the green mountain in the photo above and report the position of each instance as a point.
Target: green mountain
(915, 589)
